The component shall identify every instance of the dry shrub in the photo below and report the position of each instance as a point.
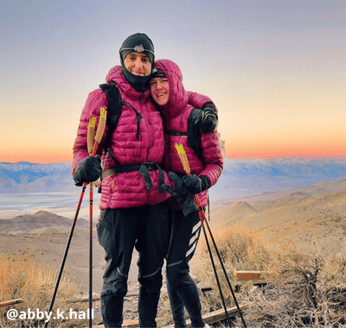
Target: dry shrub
(309, 291)
(238, 249)
(21, 277)
(305, 289)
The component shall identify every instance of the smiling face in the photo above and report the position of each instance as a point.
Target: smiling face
(159, 88)
(138, 64)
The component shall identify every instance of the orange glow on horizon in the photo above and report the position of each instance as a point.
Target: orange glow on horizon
(285, 151)
(233, 151)
(41, 156)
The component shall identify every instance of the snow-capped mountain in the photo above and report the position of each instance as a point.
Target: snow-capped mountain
(240, 177)
(244, 177)
(33, 177)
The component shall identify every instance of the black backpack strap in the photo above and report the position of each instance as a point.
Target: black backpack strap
(114, 109)
(194, 137)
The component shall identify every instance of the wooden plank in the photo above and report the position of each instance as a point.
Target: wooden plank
(130, 323)
(220, 315)
(248, 275)
(257, 277)
(11, 302)
(208, 318)
(215, 316)
(126, 323)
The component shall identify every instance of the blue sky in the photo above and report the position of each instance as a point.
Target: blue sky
(275, 69)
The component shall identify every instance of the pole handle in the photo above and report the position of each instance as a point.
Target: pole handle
(102, 125)
(91, 134)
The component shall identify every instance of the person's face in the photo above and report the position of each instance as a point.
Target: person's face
(138, 64)
(159, 89)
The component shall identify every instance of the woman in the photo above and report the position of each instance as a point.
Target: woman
(181, 121)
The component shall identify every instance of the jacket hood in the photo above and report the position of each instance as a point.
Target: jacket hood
(178, 97)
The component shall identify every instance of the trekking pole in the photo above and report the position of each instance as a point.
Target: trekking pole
(208, 209)
(201, 214)
(98, 137)
(91, 200)
(186, 166)
(90, 146)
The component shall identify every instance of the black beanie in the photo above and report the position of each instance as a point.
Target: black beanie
(157, 73)
(138, 42)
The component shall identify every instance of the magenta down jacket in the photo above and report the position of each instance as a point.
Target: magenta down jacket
(176, 114)
(126, 189)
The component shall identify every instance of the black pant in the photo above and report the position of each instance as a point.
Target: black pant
(120, 230)
(182, 290)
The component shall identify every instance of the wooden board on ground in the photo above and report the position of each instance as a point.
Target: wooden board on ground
(11, 302)
(257, 277)
(216, 316)
(209, 318)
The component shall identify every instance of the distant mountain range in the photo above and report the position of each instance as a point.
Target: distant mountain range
(245, 177)
(240, 177)
(33, 177)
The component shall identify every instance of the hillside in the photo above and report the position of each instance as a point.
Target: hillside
(311, 217)
(43, 236)
(41, 219)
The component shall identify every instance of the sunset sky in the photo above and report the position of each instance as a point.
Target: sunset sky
(275, 69)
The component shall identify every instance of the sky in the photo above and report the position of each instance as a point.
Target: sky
(275, 69)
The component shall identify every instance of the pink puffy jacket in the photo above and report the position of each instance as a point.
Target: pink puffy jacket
(176, 114)
(138, 138)
(127, 189)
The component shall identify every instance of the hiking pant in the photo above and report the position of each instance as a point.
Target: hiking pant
(120, 230)
(182, 290)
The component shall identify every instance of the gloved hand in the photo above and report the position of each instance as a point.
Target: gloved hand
(206, 118)
(196, 184)
(181, 194)
(88, 170)
(209, 118)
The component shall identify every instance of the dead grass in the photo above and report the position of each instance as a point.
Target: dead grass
(306, 289)
(21, 277)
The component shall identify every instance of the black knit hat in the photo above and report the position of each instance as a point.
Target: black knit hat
(157, 73)
(138, 42)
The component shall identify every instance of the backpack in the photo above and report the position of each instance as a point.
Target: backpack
(114, 109)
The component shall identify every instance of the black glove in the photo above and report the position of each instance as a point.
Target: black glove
(209, 118)
(206, 118)
(181, 194)
(196, 184)
(88, 170)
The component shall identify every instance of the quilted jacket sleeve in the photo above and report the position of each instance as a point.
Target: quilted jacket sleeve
(197, 100)
(212, 157)
(95, 101)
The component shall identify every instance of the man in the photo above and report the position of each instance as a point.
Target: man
(134, 211)
(134, 205)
